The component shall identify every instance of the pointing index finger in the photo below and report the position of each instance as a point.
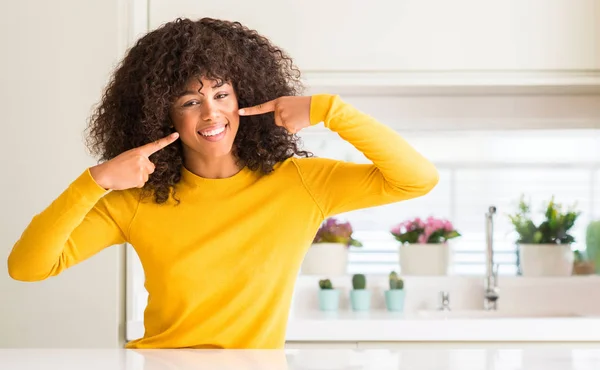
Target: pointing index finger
(258, 109)
(159, 144)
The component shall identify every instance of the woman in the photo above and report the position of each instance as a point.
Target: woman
(201, 172)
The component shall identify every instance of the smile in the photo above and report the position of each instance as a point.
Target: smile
(214, 133)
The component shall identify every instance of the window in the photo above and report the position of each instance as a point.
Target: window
(477, 169)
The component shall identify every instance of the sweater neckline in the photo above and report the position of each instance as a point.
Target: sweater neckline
(243, 177)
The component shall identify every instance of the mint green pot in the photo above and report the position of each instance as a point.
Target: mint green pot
(394, 299)
(360, 299)
(329, 299)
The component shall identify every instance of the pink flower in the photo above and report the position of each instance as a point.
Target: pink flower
(418, 230)
(334, 231)
(429, 229)
(434, 223)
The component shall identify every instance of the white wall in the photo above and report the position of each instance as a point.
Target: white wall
(415, 35)
(56, 59)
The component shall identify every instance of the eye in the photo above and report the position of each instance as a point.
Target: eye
(222, 96)
(190, 103)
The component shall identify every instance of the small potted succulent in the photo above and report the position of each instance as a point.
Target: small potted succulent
(582, 265)
(329, 298)
(360, 297)
(394, 297)
(545, 248)
(328, 254)
(424, 246)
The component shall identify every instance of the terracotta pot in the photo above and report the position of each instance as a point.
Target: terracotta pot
(584, 268)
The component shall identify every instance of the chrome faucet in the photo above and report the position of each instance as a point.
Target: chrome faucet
(444, 301)
(491, 293)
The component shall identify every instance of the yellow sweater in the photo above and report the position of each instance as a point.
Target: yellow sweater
(221, 266)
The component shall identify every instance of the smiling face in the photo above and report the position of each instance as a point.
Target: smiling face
(206, 117)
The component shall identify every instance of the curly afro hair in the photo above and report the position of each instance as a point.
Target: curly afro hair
(134, 109)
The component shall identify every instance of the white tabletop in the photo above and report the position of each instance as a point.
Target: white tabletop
(420, 357)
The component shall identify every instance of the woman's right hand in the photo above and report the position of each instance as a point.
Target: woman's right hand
(130, 169)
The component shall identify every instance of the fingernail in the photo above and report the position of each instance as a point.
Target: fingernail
(241, 111)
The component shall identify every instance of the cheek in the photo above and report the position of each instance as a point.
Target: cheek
(230, 107)
(234, 121)
(231, 110)
(185, 121)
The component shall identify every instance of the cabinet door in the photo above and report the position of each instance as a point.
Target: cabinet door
(414, 35)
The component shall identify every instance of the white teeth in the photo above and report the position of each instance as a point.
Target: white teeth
(213, 132)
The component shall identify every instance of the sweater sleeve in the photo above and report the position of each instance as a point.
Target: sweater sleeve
(398, 172)
(81, 222)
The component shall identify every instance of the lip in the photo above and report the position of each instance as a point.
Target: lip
(214, 138)
(212, 127)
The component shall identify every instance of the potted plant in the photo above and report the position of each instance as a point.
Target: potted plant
(582, 265)
(423, 246)
(545, 248)
(328, 254)
(329, 298)
(394, 297)
(360, 297)
(592, 242)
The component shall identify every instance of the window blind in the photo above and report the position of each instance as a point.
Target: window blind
(463, 196)
(477, 170)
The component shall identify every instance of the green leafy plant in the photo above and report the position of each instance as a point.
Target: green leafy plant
(325, 284)
(552, 230)
(359, 281)
(334, 231)
(396, 283)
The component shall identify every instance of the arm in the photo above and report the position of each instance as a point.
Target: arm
(398, 171)
(81, 222)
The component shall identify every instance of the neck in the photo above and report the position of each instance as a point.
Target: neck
(212, 168)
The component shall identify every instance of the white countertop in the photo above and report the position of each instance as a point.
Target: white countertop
(382, 326)
(518, 358)
(544, 309)
(318, 326)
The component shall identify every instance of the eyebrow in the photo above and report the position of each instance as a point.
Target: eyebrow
(190, 92)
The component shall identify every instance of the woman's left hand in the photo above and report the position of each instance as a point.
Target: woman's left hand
(291, 112)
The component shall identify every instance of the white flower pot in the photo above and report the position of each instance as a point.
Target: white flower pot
(325, 259)
(546, 259)
(424, 259)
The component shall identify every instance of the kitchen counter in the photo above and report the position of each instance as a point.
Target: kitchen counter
(422, 358)
(385, 326)
(381, 326)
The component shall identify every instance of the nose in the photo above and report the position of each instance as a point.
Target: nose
(209, 111)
